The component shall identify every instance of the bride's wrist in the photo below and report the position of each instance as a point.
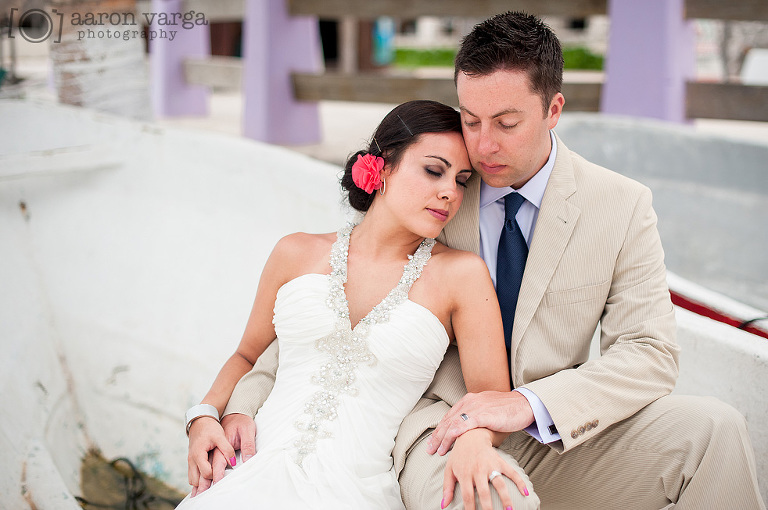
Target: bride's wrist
(478, 434)
(199, 411)
(494, 438)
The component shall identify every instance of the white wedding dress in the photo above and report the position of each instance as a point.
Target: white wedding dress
(326, 432)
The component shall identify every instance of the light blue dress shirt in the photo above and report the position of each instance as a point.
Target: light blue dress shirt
(491, 221)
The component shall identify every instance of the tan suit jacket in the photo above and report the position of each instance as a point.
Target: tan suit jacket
(595, 258)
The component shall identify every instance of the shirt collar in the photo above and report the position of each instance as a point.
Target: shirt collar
(532, 191)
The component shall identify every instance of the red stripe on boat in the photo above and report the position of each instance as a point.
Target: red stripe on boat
(702, 309)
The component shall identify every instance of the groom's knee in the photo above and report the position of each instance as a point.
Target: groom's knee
(421, 483)
(717, 429)
(703, 422)
(519, 502)
(421, 480)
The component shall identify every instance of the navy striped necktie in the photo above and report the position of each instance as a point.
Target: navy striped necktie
(510, 264)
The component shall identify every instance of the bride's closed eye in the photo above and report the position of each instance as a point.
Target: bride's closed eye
(438, 173)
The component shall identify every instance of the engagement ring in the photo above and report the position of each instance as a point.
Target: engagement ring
(464, 416)
(493, 475)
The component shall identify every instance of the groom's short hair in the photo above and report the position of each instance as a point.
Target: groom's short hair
(514, 41)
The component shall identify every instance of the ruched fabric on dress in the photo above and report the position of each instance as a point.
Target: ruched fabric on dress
(353, 467)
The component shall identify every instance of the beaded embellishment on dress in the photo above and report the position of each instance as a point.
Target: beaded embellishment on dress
(347, 347)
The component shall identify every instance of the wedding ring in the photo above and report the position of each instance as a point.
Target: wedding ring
(464, 416)
(493, 475)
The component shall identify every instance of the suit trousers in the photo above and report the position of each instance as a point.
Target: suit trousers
(679, 452)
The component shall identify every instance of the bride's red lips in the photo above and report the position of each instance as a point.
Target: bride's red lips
(439, 214)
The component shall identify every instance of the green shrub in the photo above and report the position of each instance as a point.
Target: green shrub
(581, 58)
(412, 57)
(574, 58)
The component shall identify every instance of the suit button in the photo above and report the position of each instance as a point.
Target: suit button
(595, 424)
(574, 434)
(581, 430)
(588, 425)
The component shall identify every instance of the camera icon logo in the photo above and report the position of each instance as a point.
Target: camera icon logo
(35, 25)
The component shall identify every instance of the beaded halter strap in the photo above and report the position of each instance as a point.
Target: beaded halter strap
(346, 346)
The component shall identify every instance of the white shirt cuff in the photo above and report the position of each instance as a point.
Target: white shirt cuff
(543, 428)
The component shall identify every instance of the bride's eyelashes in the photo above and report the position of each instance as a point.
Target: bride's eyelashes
(437, 173)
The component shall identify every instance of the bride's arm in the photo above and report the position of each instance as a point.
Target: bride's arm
(476, 323)
(477, 326)
(259, 330)
(205, 434)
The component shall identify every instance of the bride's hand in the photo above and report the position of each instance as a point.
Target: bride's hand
(205, 435)
(240, 431)
(470, 463)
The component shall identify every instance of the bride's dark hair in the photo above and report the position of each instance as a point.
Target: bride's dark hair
(399, 130)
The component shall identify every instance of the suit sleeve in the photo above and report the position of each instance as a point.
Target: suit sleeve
(639, 353)
(255, 386)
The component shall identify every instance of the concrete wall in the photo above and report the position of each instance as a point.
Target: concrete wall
(35, 382)
(128, 274)
(130, 257)
(710, 193)
(723, 362)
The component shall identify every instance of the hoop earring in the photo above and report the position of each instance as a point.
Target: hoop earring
(383, 186)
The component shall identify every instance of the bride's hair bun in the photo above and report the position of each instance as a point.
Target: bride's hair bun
(397, 131)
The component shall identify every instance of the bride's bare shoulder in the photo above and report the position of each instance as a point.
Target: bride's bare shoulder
(301, 242)
(301, 251)
(459, 264)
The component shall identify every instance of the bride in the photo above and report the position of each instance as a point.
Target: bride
(363, 318)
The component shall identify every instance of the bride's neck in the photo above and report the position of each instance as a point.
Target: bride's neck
(381, 238)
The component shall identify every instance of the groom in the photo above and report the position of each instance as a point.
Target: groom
(601, 433)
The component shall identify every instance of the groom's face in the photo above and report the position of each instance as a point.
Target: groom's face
(505, 126)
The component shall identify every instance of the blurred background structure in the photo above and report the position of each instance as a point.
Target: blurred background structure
(152, 153)
(651, 50)
(678, 60)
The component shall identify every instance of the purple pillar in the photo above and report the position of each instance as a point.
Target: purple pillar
(651, 54)
(171, 94)
(274, 45)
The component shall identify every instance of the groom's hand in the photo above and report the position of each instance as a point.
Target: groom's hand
(206, 437)
(500, 411)
(240, 430)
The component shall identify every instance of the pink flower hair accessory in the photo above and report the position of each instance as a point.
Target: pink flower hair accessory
(366, 172)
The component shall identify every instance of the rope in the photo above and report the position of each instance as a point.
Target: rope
(746, 324)
(136, 495)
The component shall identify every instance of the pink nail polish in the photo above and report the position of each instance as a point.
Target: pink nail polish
(442, 503)
(508, 508)
(233, 462)
(525, 491)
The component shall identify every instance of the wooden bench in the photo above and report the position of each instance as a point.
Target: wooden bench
(638, 82)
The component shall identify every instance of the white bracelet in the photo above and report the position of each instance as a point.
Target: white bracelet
(199, 411)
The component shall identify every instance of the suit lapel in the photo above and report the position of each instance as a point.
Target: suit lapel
(463, 231)
(554, 226)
